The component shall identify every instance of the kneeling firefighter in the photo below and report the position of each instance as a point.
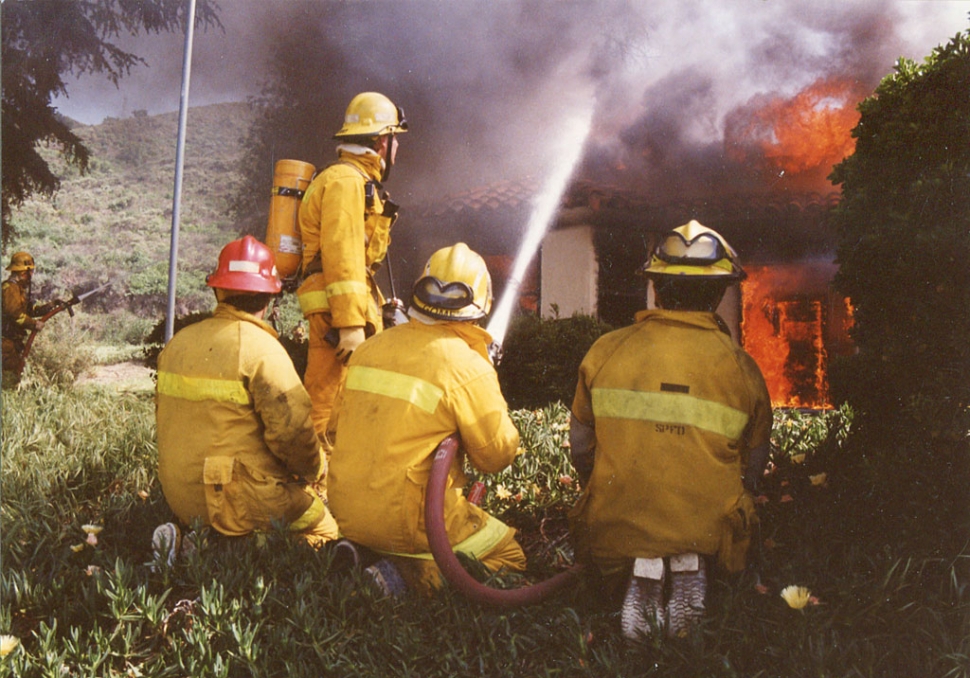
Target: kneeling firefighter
(406, 390)
(345, 221)
(236, 446)
(669, 432)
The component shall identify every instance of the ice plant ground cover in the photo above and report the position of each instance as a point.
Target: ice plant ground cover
(888, 578)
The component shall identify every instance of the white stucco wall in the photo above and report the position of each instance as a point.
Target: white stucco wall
(568, 272)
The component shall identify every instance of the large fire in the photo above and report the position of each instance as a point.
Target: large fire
(791, 325)
(810, 131)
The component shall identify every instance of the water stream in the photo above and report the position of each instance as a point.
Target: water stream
(571, 140)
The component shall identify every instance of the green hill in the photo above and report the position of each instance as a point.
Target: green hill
(114, 222)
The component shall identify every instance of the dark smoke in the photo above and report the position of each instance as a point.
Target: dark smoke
(485, 83)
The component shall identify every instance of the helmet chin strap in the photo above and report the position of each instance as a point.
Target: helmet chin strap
(386, 170)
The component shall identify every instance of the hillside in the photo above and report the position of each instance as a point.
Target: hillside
(114, 222)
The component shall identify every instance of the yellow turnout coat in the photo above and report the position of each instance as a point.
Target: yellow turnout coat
(676, 407)
(348, 236)
(406, 390)
(236, 446)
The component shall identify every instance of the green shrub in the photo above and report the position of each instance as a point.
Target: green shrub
(541, 358)
(903, 221)
(58, 355)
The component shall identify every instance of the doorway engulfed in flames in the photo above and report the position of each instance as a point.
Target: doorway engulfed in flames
(793, 324)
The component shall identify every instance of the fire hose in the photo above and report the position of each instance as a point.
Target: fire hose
(447, 561)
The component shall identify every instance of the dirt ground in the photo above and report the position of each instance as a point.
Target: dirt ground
(128, 376)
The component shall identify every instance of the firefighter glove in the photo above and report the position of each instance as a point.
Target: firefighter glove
(350, 339)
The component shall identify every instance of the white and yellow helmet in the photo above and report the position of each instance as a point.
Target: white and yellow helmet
(694, 250)
(371, 114)
(455, 285)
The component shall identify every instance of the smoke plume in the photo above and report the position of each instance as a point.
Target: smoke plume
(691, 98)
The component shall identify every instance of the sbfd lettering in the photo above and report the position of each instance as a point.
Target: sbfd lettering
(676, 429)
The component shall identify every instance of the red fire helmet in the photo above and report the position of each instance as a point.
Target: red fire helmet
(246, 265)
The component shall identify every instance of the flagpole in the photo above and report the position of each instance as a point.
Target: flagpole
(179, 161)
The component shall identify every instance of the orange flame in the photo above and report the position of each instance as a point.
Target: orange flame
(790, 325)
(810, 131)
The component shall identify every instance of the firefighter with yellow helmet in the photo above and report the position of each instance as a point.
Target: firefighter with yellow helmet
(669, 433)
(20, 315)
(345, 223)
(406, 390)
(236, 444)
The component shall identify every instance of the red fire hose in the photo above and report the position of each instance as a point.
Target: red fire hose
(447, 561)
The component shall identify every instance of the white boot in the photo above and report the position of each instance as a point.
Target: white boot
(643, 607)
(688, 587)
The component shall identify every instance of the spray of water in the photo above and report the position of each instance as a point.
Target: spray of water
(572, 138)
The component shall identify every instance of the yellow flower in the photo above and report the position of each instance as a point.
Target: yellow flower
(8, 644)
(797, 458)
(797, 597)
(502, 493)
(92, 529)
(818, 479)
(519, 451)
(77, 548)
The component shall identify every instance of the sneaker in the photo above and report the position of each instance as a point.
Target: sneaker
(642, 613)
(688, 587)
(386, 578)
(166, 543)
(345, 556)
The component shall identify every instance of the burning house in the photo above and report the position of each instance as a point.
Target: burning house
(785, 314)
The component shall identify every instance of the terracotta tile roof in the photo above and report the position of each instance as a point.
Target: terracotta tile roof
(516, 193)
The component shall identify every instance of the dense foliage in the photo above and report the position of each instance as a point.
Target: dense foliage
(42, 42)
(541, 358)
(904, 220)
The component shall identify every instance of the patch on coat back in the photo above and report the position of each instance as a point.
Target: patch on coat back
(674, 388)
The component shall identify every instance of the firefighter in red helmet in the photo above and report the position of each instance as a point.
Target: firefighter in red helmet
(345, 224)
(669, 433)
(236, 445)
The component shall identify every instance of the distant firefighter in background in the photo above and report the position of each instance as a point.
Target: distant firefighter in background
(20, 315)
(345, 225)
(669, 432)
(236, 445)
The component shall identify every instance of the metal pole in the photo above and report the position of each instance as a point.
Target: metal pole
(179, 159)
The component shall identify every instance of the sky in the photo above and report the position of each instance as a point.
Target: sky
(680, 91)
(229, 65)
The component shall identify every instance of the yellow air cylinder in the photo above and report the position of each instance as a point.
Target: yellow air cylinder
(290, 180)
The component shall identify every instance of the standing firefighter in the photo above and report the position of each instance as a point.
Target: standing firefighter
(670, 427)
(406, 390)
(20, 315)
(236, 445)
(345, 225)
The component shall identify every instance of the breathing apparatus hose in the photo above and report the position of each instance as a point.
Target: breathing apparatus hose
(447, 561)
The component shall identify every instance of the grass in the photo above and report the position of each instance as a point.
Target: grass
(888, 604)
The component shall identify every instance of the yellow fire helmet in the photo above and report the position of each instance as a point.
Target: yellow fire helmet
(21, 261)
(694, 250)
(371, 114)
(455, 285)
